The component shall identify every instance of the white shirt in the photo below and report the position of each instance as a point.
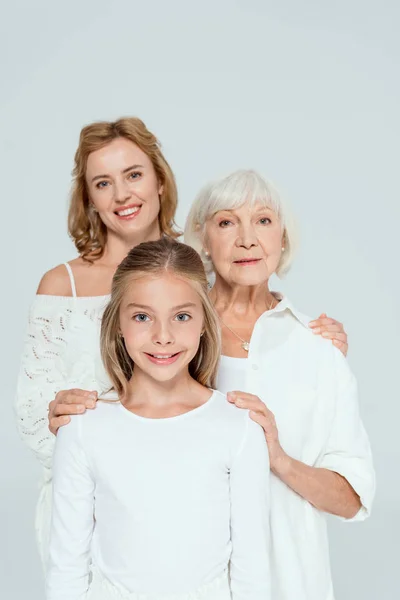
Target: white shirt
(306, 382)
(168, 502)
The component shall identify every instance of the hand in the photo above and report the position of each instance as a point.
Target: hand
(69, 402)
(264, 417)
(331, 330)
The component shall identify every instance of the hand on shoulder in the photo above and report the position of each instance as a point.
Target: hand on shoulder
(55, 282)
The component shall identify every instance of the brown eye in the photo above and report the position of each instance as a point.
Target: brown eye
(224, 223)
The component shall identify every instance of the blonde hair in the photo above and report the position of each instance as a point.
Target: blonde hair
(84, 225)
(155, 258)
(232, 192)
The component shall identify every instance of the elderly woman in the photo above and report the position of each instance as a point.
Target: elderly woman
(298, 387)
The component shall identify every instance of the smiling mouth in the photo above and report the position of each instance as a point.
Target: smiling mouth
(128, 212)
(163, 359)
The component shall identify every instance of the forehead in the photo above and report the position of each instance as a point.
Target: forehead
(160, 292)
(116, 156)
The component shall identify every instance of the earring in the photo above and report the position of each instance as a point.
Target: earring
(206, 254)
(283, 248)
(202, 333)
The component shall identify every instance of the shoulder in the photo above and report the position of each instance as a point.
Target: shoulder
(228, 416)
(55, 282)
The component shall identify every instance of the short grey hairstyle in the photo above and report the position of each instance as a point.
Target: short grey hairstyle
(232, 192)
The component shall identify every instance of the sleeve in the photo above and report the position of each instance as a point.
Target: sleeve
(72, 517)
(41, 375)
(348, 450)
(249, 488)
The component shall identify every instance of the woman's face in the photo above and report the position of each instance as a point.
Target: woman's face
(245, 244)
(161, 337)
(123, 188)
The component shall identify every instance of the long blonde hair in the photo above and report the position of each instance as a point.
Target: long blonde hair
(154, 258)
(84, 225)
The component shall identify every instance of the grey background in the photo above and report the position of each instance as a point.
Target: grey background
(306, 92)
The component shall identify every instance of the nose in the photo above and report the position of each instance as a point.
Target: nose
(162, 335)
(122, 191)
(247, 237)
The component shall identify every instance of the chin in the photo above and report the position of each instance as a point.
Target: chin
(252, 280)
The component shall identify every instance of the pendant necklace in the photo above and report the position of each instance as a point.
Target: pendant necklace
(245, 344)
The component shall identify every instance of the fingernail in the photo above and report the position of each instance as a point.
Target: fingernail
(90, 404)
(325, 334)
(65, 419)
(93, 395)
(312, 323)
(317, 330)
(230, 397)
(239, 402)
(80, 408)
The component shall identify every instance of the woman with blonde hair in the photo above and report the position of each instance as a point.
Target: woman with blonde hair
(297, 386)
(168, 486)
(123, 193)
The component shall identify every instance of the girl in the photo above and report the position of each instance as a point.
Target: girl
(169, 485)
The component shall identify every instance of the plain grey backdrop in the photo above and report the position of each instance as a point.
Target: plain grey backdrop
(306, 92)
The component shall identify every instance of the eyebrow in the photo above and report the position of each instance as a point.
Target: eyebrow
(233, 210)
(104, 176)
(145, 307)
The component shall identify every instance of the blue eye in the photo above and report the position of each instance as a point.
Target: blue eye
(265, 221)
(102, 184)
(182, 317)
(140, 318)
(134, 175)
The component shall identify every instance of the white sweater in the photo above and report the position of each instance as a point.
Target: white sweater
(164, 503)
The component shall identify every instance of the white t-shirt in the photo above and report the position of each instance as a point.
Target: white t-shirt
(306, 382)
(162, 504)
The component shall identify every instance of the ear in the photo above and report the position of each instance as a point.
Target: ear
(161, 190)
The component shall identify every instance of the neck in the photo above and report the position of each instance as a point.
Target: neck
(146, 390)
(241, 301)
(117, 247)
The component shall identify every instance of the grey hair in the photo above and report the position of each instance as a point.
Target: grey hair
(232, 192)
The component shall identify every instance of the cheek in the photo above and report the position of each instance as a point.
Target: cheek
(100, 198)
(148, 189)
(271, 241)
(134, 335)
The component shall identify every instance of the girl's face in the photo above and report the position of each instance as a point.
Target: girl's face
(245, 244)
(123, 188)
(161, 320)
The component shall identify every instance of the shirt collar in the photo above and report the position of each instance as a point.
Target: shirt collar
(284, 304)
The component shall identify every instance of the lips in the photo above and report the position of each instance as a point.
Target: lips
(246, 261)
(163, 359)
(128, 212)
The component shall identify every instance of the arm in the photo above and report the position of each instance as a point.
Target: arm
(326, 490)
(72, 517)
(343, 481)
(249, 484)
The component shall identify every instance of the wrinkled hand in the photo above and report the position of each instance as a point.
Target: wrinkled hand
(69, 402)
(331, 330)
(264, 417)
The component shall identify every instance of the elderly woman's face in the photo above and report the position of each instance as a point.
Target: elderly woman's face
(245, 244)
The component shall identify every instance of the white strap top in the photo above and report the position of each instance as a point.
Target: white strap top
(71, 278)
